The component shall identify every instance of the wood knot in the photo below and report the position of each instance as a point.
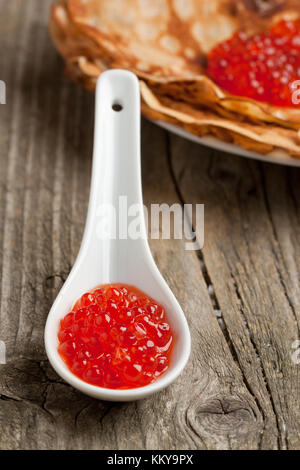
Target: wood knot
(221, 416)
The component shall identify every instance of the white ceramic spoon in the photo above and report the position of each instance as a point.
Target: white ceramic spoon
(101, 259)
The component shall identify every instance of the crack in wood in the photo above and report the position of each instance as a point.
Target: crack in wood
(9, 398)
(259, 360)
(281, 279)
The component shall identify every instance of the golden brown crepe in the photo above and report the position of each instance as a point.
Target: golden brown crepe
(165, 42)
(249, 136)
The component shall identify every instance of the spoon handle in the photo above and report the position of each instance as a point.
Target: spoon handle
(116, 174)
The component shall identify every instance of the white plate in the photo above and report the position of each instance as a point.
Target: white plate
(276, 156)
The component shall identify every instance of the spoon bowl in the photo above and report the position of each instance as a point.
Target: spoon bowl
(109, 253)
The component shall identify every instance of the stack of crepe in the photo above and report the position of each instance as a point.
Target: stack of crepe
(165, 43)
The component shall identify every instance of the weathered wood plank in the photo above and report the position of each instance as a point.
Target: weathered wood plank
(229, 396)
(251, 255)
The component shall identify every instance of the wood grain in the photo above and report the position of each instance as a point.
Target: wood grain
(241, 295)
(251, 255)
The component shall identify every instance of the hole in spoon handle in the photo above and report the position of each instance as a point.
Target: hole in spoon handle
(117, 107)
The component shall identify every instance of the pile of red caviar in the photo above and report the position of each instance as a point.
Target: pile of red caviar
(262, 66)
(116, 337)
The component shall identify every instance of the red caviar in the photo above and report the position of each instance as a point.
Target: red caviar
(262, 67)
(116, 337)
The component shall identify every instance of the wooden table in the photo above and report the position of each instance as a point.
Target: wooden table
(241, 293)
